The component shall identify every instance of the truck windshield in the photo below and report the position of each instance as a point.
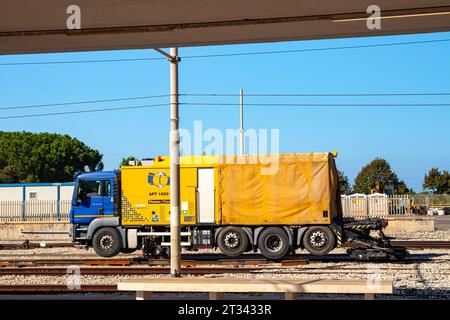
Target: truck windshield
(89, 189)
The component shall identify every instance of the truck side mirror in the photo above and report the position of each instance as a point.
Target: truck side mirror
(76, 203)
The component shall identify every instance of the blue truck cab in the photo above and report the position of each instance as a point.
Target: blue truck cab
(94, 197)
(95, 212)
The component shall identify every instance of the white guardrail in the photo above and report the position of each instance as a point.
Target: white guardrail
(376, 205)
(355, 205)
(34, 210)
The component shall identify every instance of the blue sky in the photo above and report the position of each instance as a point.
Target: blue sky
(412, 139)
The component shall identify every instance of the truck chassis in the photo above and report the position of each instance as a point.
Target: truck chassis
(108, 239)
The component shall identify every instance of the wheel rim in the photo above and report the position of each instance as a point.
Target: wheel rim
(231, 240)
(106, 242)
(274, 243)
(318, 239)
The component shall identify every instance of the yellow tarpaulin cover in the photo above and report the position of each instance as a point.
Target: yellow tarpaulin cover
(303, 190)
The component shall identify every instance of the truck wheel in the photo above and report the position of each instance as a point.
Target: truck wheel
(232, 241)
(319, 240)
(273, 243)
(107, 242)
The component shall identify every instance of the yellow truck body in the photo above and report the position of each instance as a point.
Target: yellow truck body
(291, 189)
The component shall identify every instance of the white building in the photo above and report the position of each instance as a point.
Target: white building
(36, 191)
(35, 201)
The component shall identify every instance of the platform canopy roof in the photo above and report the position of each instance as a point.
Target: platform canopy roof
(30, 26)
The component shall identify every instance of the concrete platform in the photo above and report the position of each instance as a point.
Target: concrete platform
(12, 231)
(409, 224)
(216, 287)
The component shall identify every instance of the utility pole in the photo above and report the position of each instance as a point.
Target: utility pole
(175, 248)
(241, 130)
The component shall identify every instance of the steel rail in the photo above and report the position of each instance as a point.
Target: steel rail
(138, 261)
(411, 244)
(123, 271)
(56, 288)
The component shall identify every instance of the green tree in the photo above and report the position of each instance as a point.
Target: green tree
(43, 157)
(126, 160)
(446, 188)
(402, 188)
(344, 184)
(377, 176)
(437, 181)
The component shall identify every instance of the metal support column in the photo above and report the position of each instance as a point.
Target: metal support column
(175, 248)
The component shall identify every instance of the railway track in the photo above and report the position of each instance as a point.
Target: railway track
(196, 260)
(214, 261)
(34, 245)
(194, 264)
(56, 288)
(421, 244)
(200, 261)
(409, 244)
(110, 271)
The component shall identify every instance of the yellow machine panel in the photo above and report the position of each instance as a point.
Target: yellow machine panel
(146, 195)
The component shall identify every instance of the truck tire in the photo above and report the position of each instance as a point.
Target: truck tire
(232, 241)
(107, 242)
(273, 242)
(319, 240)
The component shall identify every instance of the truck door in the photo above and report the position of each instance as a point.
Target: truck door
(89, 201)
(108, 198)
(206, 195)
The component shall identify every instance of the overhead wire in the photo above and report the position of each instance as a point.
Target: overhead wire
(66, 103)
(81, 111)
(199, 104)
(320, 104)
(316, 94)
(81, 102)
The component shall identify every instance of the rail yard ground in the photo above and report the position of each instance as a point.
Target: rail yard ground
(442, 222)
(424, 275)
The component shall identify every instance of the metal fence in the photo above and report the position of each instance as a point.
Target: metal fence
(376, 205)
(355, 205)
(32, 210)
(432, 200)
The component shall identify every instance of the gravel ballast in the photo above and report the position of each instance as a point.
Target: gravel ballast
(426, 279)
